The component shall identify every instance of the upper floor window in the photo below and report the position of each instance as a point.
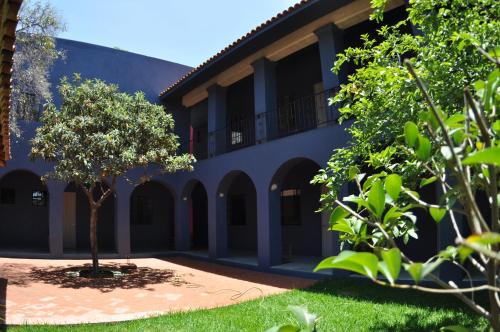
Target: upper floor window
(236, 137)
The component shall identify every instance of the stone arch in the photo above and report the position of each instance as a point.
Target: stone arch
(152, 212)
(76, 220)
(24, 211)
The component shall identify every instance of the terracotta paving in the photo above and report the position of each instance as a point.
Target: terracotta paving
(36, 291)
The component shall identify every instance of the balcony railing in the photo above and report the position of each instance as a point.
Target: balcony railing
(239, 133)
(301, 114)
(298, 115)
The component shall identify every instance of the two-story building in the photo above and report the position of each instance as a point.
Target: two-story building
(257, 118)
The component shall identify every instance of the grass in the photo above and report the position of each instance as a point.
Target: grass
(343, 305)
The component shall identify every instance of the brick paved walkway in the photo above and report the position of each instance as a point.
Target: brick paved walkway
(35, 291)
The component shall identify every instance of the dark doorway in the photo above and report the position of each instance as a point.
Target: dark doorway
(301, 231)
(241, 216)
(151, 218)
(199, 218)
(24, 212)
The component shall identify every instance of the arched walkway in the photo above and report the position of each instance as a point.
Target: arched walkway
(239, 206)
(76, 221)
(302, 230)
(24, 212)
(151, 218)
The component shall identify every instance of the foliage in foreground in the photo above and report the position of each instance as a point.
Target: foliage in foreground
(341, 305)
(98, 135)
(450, 141)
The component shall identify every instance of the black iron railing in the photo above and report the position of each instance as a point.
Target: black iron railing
(301, 114)
(298, 115)
(238, 133)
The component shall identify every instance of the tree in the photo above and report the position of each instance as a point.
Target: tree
(38, 25)
(461, 153)
(415, 126)
(99, 134)
(380, 95)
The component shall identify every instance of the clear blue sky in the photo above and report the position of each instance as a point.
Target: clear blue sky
(184, 31)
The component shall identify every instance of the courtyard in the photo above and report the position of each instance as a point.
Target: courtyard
(180, 294)
(38, 291)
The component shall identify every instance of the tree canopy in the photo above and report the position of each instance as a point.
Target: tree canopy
(381, 96)
(35, 53)
(100, 133)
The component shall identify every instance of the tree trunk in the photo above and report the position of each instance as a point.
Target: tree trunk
(93, 239)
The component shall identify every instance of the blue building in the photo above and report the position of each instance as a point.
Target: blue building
(255, 115)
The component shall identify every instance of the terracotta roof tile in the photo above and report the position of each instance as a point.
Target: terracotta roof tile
(8, 20)
(228, 48)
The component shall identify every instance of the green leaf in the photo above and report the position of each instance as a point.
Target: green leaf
(486, 156)
(424, 148)
(393, 185)
(363, 263)
(284, 328)
(376, 198)
(338, 214)
(415, 271)
(353, 171)
(342, 226)
(418, 271)
(485, 238)
(411, 133)
(437, 213)
(390, 267)
(425, 182)
(455, 119)
(393, 213)
(303, 316)
(463, 253)
(428, 267)
(496, 126)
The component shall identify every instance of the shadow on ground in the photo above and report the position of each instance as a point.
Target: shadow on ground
(142, 277)
(263, 278)
(362, 290)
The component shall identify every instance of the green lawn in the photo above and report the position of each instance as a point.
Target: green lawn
(344, 305)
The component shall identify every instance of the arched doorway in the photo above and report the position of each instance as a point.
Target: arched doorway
(302, 234)
(238, 193)
(76, 220)
(151, 218)
(24, 212)
(198, 218)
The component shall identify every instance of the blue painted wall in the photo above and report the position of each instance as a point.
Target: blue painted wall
(132, 72)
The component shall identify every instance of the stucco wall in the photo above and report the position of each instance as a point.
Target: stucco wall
(132, 72)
